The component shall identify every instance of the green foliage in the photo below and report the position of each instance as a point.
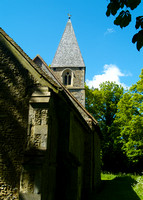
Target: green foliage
(139, 22)
(102, 104)
(124, 18)
(120, 117)
(107, 176)
(129, 119)
(138, 187)
(115, 5)
(138, 38)
(103, 101)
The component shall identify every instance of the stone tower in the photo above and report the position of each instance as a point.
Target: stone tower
(68, 64)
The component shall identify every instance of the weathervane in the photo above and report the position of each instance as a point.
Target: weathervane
(69, 15)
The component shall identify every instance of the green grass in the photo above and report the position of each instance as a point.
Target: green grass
(120, 187)
(108, 176)
(138, 187)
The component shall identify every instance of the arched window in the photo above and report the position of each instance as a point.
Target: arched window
(67, 77)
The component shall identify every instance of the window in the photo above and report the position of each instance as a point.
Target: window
(67, 77)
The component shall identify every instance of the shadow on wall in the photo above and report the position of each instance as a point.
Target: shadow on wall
(16, 87)
(119, 188)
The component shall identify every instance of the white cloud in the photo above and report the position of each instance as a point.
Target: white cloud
(110, 73)
(109, 31)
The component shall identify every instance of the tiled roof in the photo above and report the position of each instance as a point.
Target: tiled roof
(68, 53)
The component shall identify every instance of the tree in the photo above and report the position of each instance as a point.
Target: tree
(102, 104)
(129, 119)
(124, 17)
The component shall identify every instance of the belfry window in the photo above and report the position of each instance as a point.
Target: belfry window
(67, 78)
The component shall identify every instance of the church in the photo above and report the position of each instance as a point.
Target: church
(49, 143)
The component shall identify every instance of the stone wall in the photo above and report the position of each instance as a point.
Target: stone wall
(78, 75)
(16, 87)
(74, 153)
(78, 81)
(97, 160)
(35, 157)
(47, 150)
(79, 94)
(59, 145)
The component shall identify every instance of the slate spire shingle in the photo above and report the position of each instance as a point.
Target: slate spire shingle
(68, 53)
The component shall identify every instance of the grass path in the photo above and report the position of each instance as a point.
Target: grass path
(119, 188)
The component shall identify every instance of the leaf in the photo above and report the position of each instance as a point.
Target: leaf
(139, 22)
(112, 8)
(138, 38)
(132, 3)
(115, 5)
(108, 11)
(123, 19)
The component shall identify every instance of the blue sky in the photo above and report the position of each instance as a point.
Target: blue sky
(37, 27)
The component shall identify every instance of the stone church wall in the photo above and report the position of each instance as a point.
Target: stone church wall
(78, 75)
(45, 146)
(74, 147)
(78, 79)
(97, 160)
(79, 94)
(16, 86)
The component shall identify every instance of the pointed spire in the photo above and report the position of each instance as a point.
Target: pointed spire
(68, 53)
(69, 16)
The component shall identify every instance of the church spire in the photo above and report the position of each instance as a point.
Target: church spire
(68, 64)
(68, 53)
(69, 16)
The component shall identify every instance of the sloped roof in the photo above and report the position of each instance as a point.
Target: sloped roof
(43, 65)
(68, 53)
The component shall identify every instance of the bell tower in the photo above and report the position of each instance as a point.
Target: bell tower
(68, 64)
